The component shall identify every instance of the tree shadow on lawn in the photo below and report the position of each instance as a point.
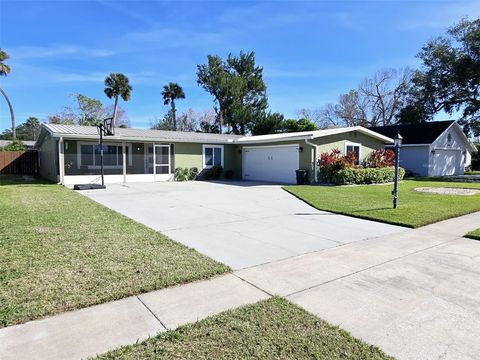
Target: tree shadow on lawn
(23, 180)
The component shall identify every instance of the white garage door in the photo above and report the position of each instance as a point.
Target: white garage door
(271, 163)
(447, 162)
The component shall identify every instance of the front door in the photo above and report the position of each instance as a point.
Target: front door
(161, 160)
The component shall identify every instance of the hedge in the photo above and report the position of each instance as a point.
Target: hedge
(349, 176)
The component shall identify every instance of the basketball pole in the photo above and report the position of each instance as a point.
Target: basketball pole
(101, 152)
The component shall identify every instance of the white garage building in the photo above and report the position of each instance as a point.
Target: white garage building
(437, 148)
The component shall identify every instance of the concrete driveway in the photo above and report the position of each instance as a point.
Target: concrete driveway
(239, 224)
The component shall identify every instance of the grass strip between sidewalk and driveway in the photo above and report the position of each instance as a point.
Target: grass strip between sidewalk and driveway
(61, 251)
(270, 329)
(474, 234)
(374, 202)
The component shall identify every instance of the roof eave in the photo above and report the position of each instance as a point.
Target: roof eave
(137, 139)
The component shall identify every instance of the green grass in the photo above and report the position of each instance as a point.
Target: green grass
(474, 234)
(61, 251)
(374, 202)
(472, 172)
(271, 329)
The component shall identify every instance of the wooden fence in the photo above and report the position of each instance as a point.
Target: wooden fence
(19, 162)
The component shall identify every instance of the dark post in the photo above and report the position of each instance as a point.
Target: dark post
(398, 143)
(101, 152)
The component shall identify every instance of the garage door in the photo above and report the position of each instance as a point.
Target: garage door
(271, 163)
(447, 162)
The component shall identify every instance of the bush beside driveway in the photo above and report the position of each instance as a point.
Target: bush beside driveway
(61, 251)
(374, 202)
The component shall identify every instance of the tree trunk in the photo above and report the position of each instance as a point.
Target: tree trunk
(12, 115)
(220, 118)
(114, 121)
(174, 115)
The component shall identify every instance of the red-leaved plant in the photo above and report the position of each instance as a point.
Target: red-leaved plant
(380, 158)
(330, 163)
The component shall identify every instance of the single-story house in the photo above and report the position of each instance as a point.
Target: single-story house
(437, 148)
(70, 154)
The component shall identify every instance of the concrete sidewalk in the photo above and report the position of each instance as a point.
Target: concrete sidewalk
(97, 329)
(415, 294)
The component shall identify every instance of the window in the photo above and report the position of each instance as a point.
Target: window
(89, 155)
(355, 148)
(212, 155)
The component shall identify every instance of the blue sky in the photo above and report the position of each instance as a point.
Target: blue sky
(311, 51)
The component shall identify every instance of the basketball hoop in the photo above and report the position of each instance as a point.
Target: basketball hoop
(105, 128)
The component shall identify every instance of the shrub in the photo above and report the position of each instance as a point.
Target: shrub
(213, 173)
(15, 145)
(380, 158)
(182, 174)
(229, 174)
(332, 162)
(352, 175)
(193, 173)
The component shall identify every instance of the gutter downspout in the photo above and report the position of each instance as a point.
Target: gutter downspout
(315, 171)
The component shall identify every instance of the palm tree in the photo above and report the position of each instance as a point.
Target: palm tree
(4, 71)
(171, 92)
(117, 85)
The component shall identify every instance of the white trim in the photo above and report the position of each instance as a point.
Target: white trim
(113, 179)
(349, 143)
(79, 154)
(312, 135)
(407, 145)
(124, 160)
(270, 146)
(61, 160)
(162, 177)
(222, 155)
(448, 149)
(315, 167)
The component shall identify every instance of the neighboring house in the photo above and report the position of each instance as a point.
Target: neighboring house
(436, 148)
(69, 154)
(29, 144)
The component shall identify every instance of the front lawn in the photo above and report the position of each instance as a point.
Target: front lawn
(474, 234)
(61, 251)
(374, 202)
(271, 329)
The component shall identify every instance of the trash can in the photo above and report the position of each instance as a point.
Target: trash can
(302, 177)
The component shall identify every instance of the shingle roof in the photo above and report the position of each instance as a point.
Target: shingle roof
(140, 134)
(424, 133)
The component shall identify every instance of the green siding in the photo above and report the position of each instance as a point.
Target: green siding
(368, 143)
(188, 155)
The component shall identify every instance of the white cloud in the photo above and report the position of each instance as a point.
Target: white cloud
(171, 38)
(56, 51)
